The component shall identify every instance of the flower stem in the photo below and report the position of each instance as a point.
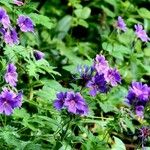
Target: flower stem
(5, 120)
(64, 132)
(2, 121)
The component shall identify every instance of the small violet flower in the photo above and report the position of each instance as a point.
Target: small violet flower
(9, 101)
(140, 91)
(141, 33)
(97, 84)
(144, 132)
(18, 2)
(11, 37)
(11, 74)
(25, 24)
(100, 64)
(121, 24)
(73, 102)
(137, 97)
(112, 77)
(38, 55)
(4, 18)
(85, 73)
(139, 110)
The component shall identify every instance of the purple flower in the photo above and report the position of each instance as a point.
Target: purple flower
(85, 73)
(11, 37)
(139, 110)
(18, 2)
(38, 55)
(141, 91)
(59, 102)
(100, 64)
(144, 132)
(75, 104)
(138, 94)
(97, 84)
(9, 101)
(112, 77)
(121, 25)
(4, 18)
(138, 97)
(25, 24)
(131, 98)
(11, 74)
(141, 33)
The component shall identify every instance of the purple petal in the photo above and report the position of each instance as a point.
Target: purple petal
(11, 75)
(141, 33)
(121, 25)
(25, 23)
(8, 109)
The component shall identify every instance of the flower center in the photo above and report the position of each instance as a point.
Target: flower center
(72, 103)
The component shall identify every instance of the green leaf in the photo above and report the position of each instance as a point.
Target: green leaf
(43, 65)
(107, 107)
(32, 146)
(63, 26)
(42, 20)
(68, 52)
(46, 93)
(6, 3)
(147, 51)
(32, 69)
(53, 84)
(83, 13)
(121, 48)
(117, 55)
(83, 23)
(145, 67)
(70, 68)
(118, 145)
(127, 38)
(107, 46)
(8, 132)
(65, 147)
(129, 124)
(144, 13)
(17, 51)
(40, 66)
(20, 113)
(108, 11)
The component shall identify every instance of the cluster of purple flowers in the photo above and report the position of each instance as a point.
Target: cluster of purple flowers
(8, 32)
(9, 99)
(104, 76)
(139, 31)
(137, 97)
(73, 102)
(97, 78)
